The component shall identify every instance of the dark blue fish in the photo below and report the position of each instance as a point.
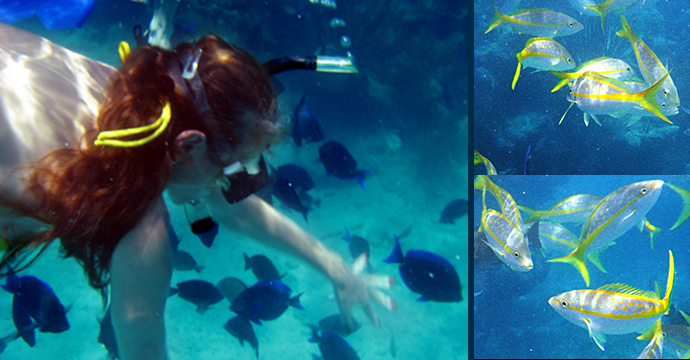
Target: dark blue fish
(206, 229)
(200, 293)
(285, 191)
(527, 157)
(106, 336)
(231, 287)
(298, 176)
(183, 261)
(242, 329)
(339, 162)
(357, 244)
(305, 124)
(35, 305)
(54, 14)
(262, 267)
(332, 346)
(335, 325)
(453, 211)
(427, 274)
(265, 300)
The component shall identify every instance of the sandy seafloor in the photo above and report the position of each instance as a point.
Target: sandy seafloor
(409, 187)
(396, 197)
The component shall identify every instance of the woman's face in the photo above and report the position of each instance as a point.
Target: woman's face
(194, 174)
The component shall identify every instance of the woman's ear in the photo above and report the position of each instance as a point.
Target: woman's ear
(190, 145)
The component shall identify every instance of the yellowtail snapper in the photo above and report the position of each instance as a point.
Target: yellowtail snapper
(596, 94)
(609, 67)
(615, 308)
(651, 68)
(543, 53)
(506, 239)
(537, 22)
(614, 215)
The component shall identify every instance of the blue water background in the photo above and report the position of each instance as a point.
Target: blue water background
(509, 121)
(512, 317)
(412, 84)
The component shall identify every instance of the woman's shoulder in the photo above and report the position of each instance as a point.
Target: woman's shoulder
(50, 97)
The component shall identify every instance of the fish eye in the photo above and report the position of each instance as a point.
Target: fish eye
(643, 190)
(570, 60)
(663, 105)
(665, 91)
(627, 69)
(517, 254)
(564, 303)
(570, 24)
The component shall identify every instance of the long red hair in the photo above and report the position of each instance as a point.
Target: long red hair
(94, 195)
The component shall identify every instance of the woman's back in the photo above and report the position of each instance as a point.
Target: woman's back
(49, 97)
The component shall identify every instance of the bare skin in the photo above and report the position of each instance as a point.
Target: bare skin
(34, 128)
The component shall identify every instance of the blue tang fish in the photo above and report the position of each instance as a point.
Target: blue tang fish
(35, 305)
(261, 266)
(340, 163)
(242, 329)
(427, 274)
(285, 191)
(200, 293)
(298, 176)
(332, 346)
(453, 211)
(306, 126)
(54, 14)
(333, 324)
(265, 300)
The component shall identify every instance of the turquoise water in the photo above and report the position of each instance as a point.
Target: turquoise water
(511, 121)
(403, 116)
(512, 317)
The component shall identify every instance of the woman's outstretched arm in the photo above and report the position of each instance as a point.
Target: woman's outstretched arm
(140, 272)
(255, 218)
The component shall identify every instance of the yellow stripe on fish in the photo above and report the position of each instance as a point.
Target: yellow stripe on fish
(614, 215)
(508, 205)
(597, 94)
(505, 239)
(614, 309)
(651, 68)
(543, 53)
(573, 209)
(606, 66)
(537, 22)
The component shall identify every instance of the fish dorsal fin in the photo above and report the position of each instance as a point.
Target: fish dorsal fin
(625, 289)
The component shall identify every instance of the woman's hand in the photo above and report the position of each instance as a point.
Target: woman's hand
(354, 287)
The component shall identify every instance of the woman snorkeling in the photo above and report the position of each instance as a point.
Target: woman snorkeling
(185, 121)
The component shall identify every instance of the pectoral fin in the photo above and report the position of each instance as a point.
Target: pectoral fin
(598, 338)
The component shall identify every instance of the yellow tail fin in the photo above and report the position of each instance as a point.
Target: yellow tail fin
(576, 259)
(497, 20)
(669, 283)
(626, 31)
(648, 100)
(517, 72)
(685, 214)
(563, 78)
(602, 10)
